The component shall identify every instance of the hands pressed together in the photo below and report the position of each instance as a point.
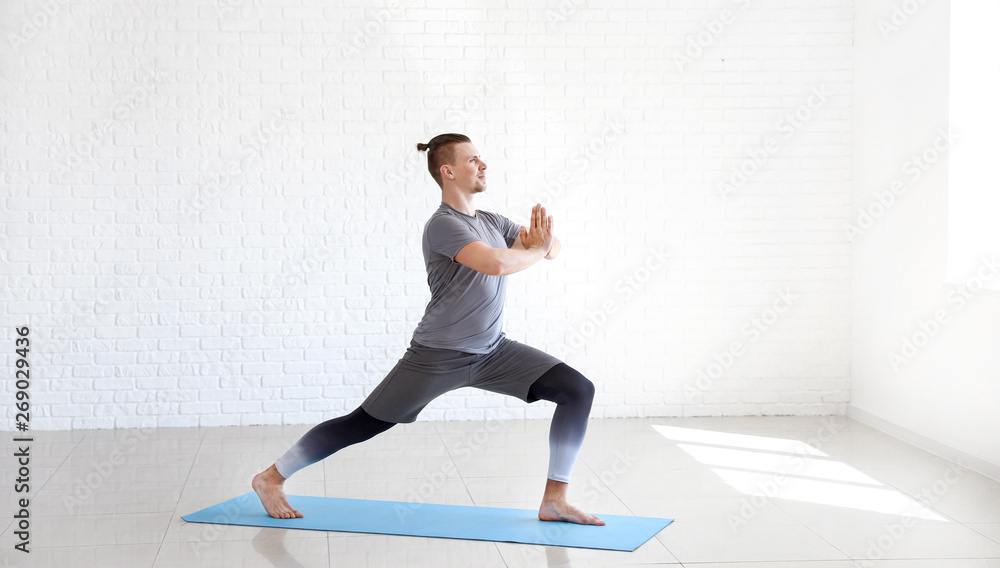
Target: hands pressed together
(541, 235)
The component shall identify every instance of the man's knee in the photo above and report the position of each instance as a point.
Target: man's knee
(575, 385)
(585, 389)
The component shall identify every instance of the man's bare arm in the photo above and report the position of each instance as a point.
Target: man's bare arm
(530, 247)
(482, 257)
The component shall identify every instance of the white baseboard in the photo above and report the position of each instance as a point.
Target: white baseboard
(931, 445)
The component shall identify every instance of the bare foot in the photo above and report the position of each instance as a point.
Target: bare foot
(269, 485)
(563, 511)
(555, 507)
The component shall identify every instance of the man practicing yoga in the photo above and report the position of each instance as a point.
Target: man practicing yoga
(459, 342)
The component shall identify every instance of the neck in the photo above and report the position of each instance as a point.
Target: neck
(459, 200)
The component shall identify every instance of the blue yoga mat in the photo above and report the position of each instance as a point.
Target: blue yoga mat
(432, 520)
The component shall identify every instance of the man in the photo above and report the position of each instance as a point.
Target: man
(460, 342)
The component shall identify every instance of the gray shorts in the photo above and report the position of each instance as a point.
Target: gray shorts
(425, 373)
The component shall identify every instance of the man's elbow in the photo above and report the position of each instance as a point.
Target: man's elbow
(504, 264)
(555, 250)
(492, 265)
(500, 262)
(497, 267)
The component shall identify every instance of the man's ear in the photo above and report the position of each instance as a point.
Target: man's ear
(446, 172)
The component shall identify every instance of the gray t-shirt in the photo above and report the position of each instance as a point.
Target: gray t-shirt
(465, 312)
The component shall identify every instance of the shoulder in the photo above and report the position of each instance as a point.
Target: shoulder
(444, 221)
(495, 219)
(441, 215)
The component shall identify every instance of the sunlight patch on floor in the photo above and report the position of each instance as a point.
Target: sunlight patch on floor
(791, 469)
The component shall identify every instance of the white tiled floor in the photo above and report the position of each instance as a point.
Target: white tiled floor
(795, 492)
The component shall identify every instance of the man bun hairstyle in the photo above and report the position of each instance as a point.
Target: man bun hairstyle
(440, 151)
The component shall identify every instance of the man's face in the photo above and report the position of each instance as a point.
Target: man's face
(469, 169)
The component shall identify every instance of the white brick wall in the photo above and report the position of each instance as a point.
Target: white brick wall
(212, 211)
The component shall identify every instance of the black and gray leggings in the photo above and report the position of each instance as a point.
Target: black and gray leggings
(571, 391)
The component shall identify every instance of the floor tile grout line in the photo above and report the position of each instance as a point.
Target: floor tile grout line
(846, 554)
(451, 457)
(184, 486)
(994, 539)
(62, 463)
